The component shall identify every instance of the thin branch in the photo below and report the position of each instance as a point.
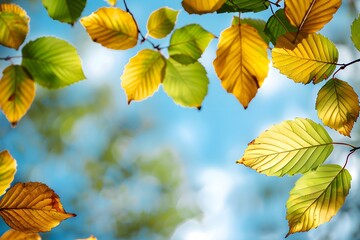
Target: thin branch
(274, 3)
(8, 58)
(344, 65)
(346, 144)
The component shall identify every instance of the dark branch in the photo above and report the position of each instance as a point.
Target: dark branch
(345, 65)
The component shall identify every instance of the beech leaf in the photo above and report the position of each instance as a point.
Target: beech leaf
(161, 22)
(258, 24)
(64, 10)
(17, 235)
(202, 6)
(355, 32)
(244, 6)
(7, 170)
(278, 25)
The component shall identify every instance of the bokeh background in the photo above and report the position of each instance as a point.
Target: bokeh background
(154, 170)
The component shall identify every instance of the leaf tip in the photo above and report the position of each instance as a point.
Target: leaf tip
(14, 124)
(129, 101)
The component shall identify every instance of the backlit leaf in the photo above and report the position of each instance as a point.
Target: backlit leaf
(14, 25)
(7, 170)
(290, 147)
(241, 61)
(16, 235)
(187, 85)
(355, 32)
(111, 27)
(161, 22)
(202, 6)
(338, 106)
(309, 16)
(143, 74)
(64, 10)
(278, 25)
(188, 43)
(32, 207)
(244, 6)
(17, 92)
(313, 59)
(111, 2)
(317, 197)
(52, 62)
(258, 24)
(89, 238)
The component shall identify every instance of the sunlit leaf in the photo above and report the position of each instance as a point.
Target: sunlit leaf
(17, 92)
(278, 25)
(313, 59)
(32, 207)
(309, 16)
(52, 62)
(111, 27)
(64, 10)
(14, 25)
(317, 197)
(188, 43)
(355, 32)
(290, 147)
(89, 238)
(202, 6)
(241, 62)
(16, 235)
(111, 2)
(161, 22)
(244, 6)
(143, 74)
(338, 106)
(187, 85)
(258, 24)
(7, 170)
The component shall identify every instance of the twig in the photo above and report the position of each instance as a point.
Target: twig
(344, 65)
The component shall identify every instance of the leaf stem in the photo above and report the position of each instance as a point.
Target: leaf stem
(274, 3)
(344, 65)
(347, 144)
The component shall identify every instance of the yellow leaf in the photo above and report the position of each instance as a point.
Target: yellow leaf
(32, 207)
(14, 25)
(111, 2)
(143, 74)
(161, 22)
(89, 238)
(112, 27)
(17, 92)
(202, 6)
(310, 16)
(314, 58)
(338, 106)
(16, 235)
(7, 170)
(241, 61)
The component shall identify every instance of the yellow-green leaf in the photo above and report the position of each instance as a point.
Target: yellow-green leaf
(355, 32)
(17, 92)
(143, 74)
(309, 16)
(7, 170)
(52, 62)
(314, 58)
(161, 22)
(187, 85)
(111, 2)
(278, 25)
(14, 25)
(111, 27)
(32, 207)
(202, 6)
(338, 106)
(258, 24)
(241, 61)
(64, 10)
(244, 6)
(290, 147)
(317, 197)
(188, 43)
(16, 235)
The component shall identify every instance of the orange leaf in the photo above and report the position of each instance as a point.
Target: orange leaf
(16, 235)
(32, 207)
(7, 170)
(89, 238)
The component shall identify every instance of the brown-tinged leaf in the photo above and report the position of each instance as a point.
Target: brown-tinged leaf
(32, 207)
(7, 170)
(16, 235)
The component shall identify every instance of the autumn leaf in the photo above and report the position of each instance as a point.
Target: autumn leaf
(290, 147)
(317, 197)
(14, 25)
(314, 58)
(241, 62)
(143, 74)
(64, 10)
(111, 27)
(202, 6)
(355, 32)
(161, 22)
(17, 92)
(111, 2)
(244, 6)
(32, 207)
(16, 235)
(7, 170)
(258, 24)
(338, 106)
(89, 238)
(278, 25)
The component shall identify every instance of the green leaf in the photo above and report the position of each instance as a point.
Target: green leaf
(244, 6)
(52, 62)
(338, 106)
(317, 197)
(278, 25)
(355, 32)
(14, 25)
(188, 43)
(161, 22)
(258, 24)
(7, 170)
(187, 85)
(290, 147)
(67, 11)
